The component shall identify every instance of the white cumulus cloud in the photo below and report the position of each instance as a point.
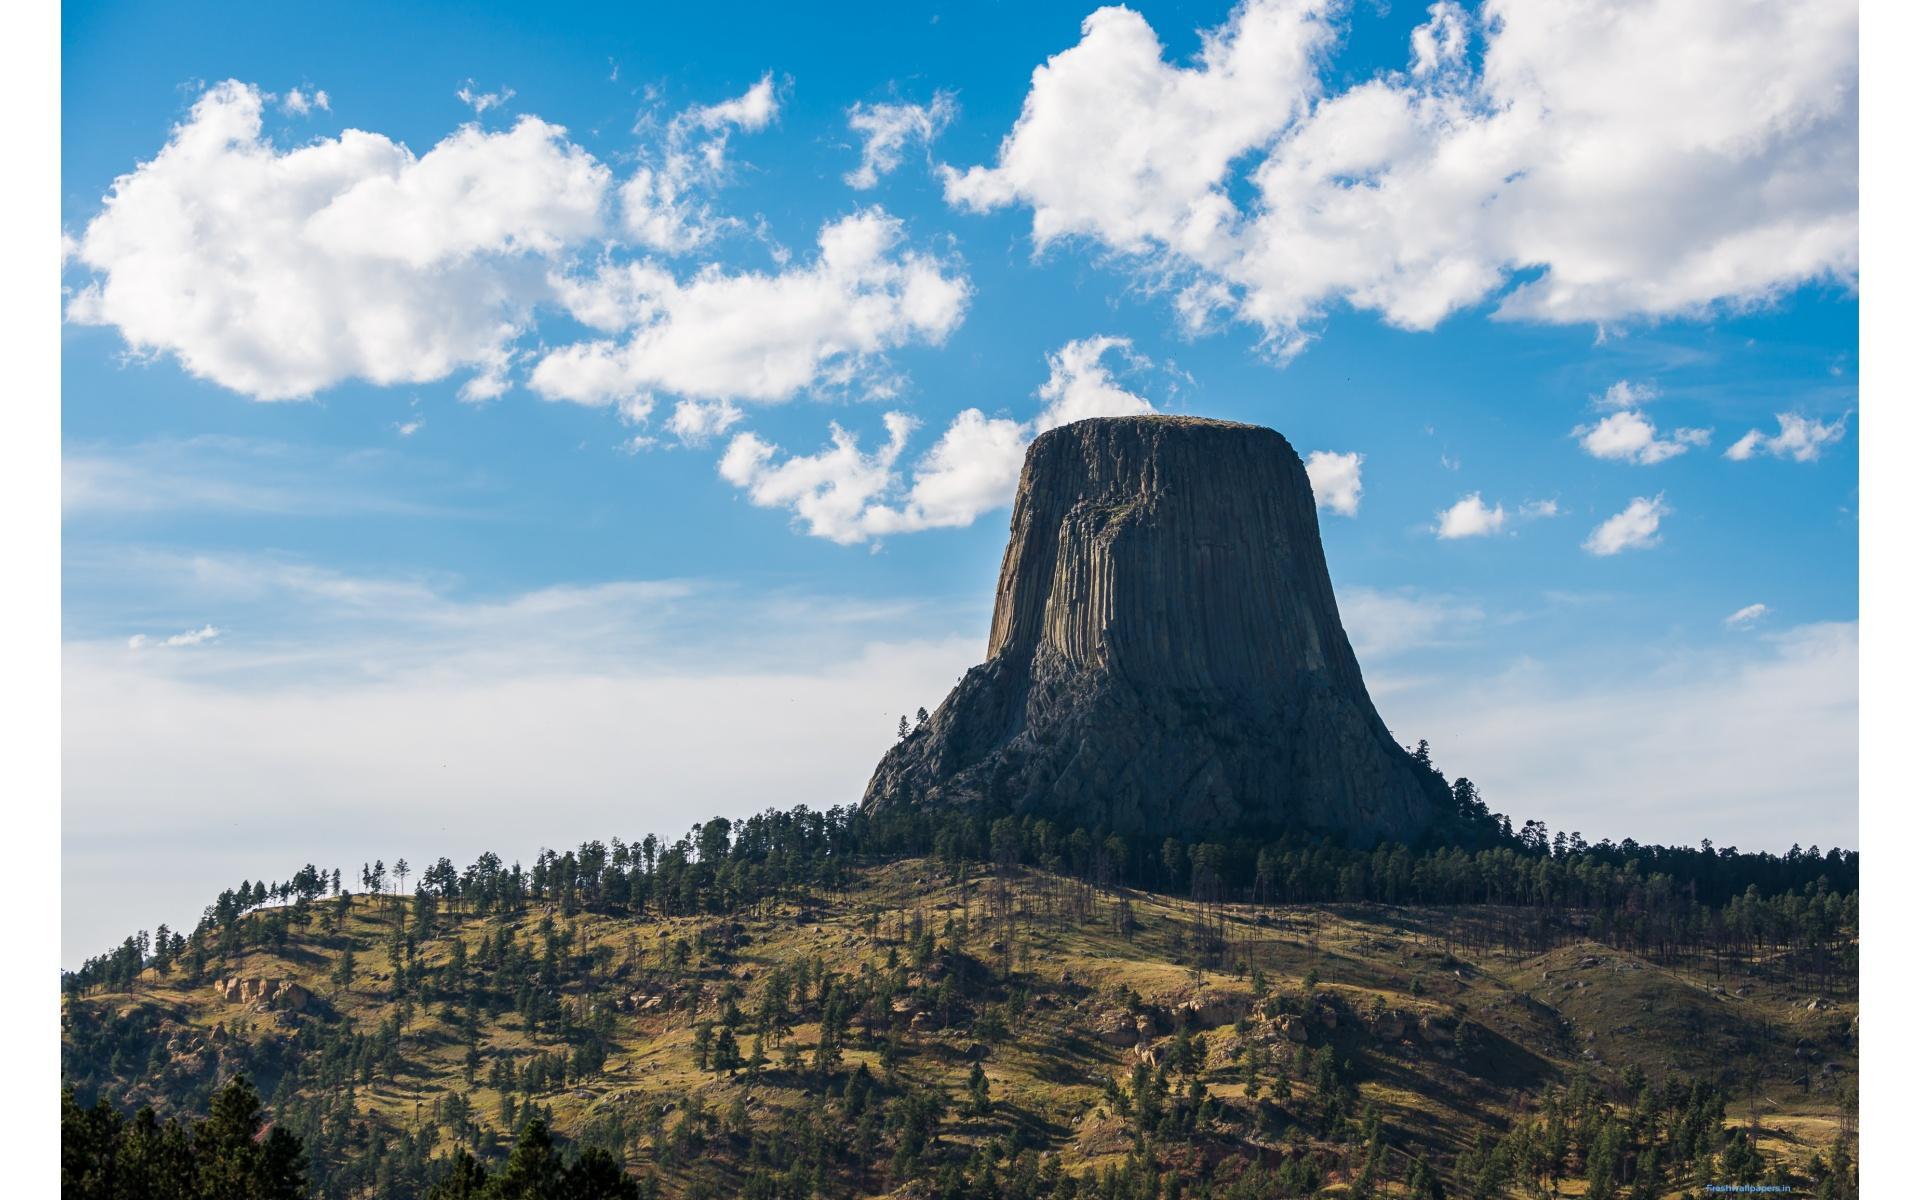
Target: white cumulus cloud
(848, 495)
(752, 336)
(1415, 194)
(1468, 517)
(1745, 618)
(277, 273)
(1801, 439)
(831, 492)
(695, 422)
(1627, 435)
(887, 130)
(1081, 385)
(1336, 480)
(1635, 527)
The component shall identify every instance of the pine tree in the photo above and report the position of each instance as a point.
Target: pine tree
(343, 968)
(227, 1156)
(726, 1052)
(234, 1163)
(464, 1179)
(977, 1095)
(534, 1171)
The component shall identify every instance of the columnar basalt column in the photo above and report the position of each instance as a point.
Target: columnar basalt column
(1166, 656)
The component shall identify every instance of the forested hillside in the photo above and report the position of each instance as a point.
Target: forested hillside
(822, 1004)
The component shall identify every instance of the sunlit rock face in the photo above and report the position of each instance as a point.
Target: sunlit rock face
(1166, 656)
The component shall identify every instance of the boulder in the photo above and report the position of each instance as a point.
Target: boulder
(1115, 1027)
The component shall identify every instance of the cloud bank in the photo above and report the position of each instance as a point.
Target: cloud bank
(1505, 163)
(569, 712)
(278, 273)
(752, 336)
(1755, 747)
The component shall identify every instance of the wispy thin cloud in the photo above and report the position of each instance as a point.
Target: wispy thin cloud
(243, 476)
(190, 637)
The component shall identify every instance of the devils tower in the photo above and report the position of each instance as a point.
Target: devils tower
(1166, 656)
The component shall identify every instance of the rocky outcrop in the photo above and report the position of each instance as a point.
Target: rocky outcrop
(238, 990)
(1165, 656)
(1210, 1008)
(1115, 1027)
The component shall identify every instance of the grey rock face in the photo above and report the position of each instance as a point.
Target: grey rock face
(1166, 656)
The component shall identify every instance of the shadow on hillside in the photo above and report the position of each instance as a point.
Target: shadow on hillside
(1070, 1060)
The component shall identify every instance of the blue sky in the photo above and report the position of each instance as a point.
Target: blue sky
(327, 597)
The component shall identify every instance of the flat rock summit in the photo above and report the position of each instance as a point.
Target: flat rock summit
(1166, 656)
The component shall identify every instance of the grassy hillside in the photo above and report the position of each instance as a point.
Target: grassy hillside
(921, 1031)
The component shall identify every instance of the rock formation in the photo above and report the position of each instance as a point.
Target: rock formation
(1165, 656)
(237, 990)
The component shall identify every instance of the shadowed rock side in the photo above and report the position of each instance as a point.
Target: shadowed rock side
(1166, 656)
